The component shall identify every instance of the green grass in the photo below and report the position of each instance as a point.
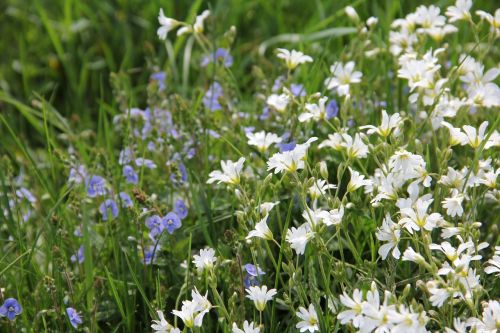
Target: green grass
(68, 67)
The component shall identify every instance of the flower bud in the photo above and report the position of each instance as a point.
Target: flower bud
(351, 12)
(323, 169)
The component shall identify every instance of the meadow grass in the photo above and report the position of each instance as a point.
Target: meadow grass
(72, 70)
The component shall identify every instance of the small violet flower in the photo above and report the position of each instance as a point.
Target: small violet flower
(159, 78)
(126, 200)
(221, 55)
(180, 208)
(96, 186)
(253, 275)
(171, 222)
(10, 308)
(108, 207)
(74, 317)
(79, 256)
(130, 174)
(211, 98)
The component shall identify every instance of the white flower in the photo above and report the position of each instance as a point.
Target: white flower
(415, 218)
(299, 237)
(261, 230)
(319, 188)
(266, 207)
(453, 205)
(355, 148)
(230, 173)
(450, 252)
(309, 319)
(197, 27)
(476, 137)
(411, 255)
(494, 263)
(343, 77)
(332, 217)
(335, 141)
(357, 180)
(355, 306)
(247, 328)
(491, 318)
(293, 58)
(166, 24)
(314, 111)
(189, 314)
(162, 326)
(262, 140)
(387, 125)
(205, 260)
(278, 102)
(490, 178)
(390, 233)
(260, 296)
(456, 135)
(290, 161)
(198, 24)
(461, 10)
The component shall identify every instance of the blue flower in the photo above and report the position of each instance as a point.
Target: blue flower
(160, 79)
(147, 163)
(253, 275)
(287, 143)
(150, 254)
(180, 208)
(172, 222)
(179, 173)
(10, 309)
(155, 225)
(74, 317)
(265, 113)
(79, 256)
(130, 174)
(24, 193)
(211, 98)
(96, 186)
(219, 55)
(125, 156)
(126, 200)
(297, 90)
(108, 207)
(332, 109)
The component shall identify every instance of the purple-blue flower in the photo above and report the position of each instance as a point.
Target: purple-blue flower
(160, 79)
(155, 225)
(108, 207)
(125, 156)
(179, 173)
(126, 200)
(265, 113)
(96, 186)
(211, 98)
(147, 163)
(180, 208)
(172, 222)
(79, 256)
(220, 54)
(130, 174)
(26, 194)
(332, 109)
(74, 317)
(297, 90)
(253, 275)
(10, 308)
(151, 253)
